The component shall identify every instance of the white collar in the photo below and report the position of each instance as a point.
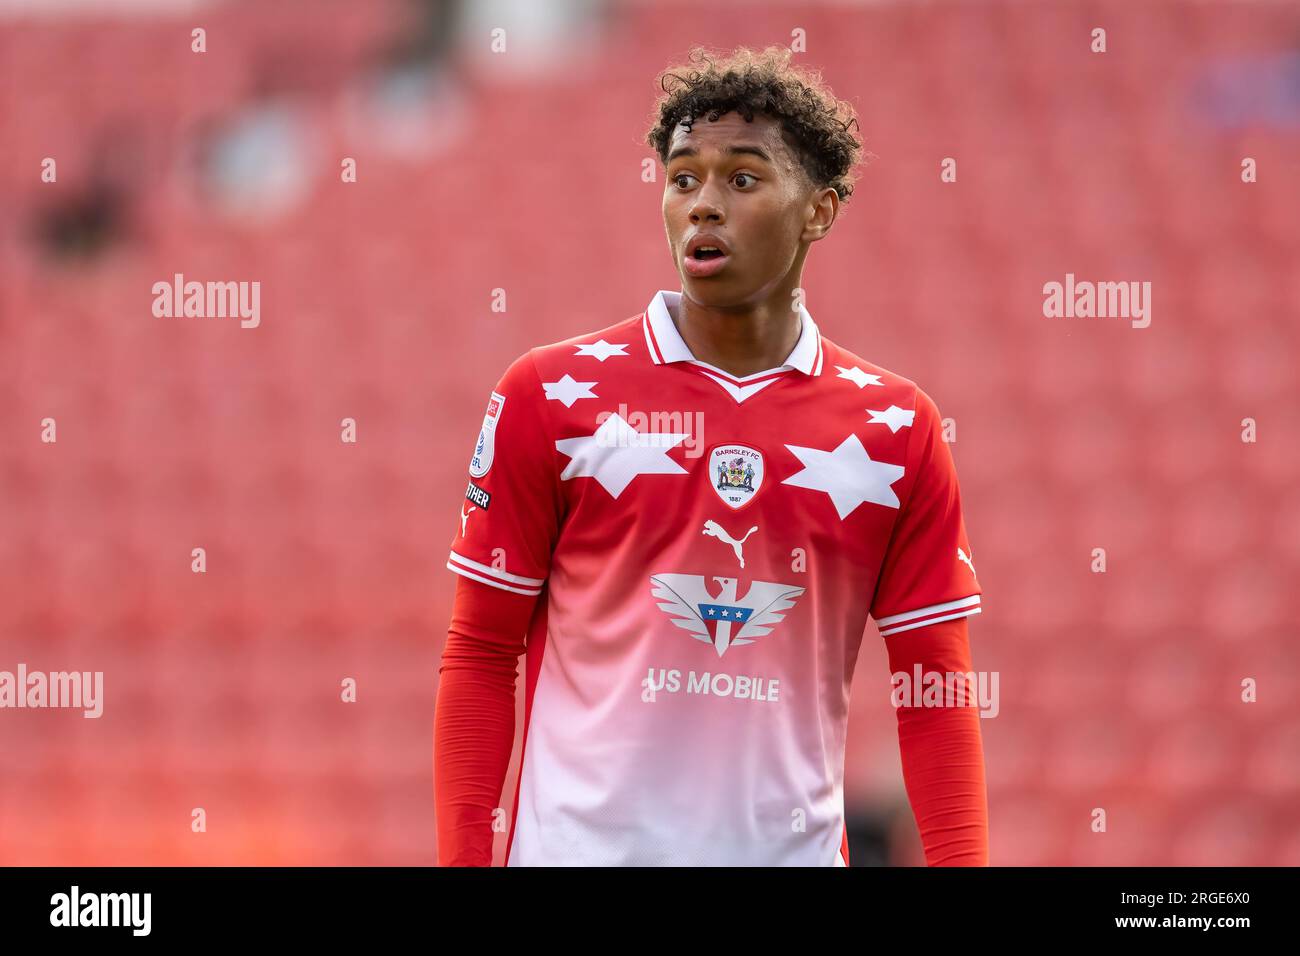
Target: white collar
(667, 345)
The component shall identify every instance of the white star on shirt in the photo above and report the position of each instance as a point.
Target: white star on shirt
(893, 416)
(601, 350)
(616, 453)
(568, 391)
(847, 474)
(859, 377)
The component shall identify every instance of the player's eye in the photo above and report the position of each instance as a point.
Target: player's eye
(680, 176)
(744, 176)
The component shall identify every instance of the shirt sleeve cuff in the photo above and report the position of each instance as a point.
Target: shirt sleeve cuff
(490, 575)
(932, 614)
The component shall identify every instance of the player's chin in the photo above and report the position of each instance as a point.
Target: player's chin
(711, 288)
(711, 293)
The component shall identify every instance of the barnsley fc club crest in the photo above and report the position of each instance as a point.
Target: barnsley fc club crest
(736, 473)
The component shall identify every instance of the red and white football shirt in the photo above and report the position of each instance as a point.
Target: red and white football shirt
(706, 550)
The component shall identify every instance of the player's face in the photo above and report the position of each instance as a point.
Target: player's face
(741, 182)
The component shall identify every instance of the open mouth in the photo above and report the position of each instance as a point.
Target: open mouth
(705, 258)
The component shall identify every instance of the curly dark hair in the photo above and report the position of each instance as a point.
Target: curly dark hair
(750, 82)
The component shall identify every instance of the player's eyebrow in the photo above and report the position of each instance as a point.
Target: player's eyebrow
(733, 150)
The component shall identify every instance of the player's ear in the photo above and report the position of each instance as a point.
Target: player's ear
(825, 206)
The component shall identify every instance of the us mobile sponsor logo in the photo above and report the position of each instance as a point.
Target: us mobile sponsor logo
(737, 686)
(686, 598)
(478, 496)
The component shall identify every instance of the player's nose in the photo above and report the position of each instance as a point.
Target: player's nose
(706, 208)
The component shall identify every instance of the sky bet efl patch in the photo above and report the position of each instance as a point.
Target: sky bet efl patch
(485, 447)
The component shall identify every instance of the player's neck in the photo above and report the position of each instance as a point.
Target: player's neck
(740, 342)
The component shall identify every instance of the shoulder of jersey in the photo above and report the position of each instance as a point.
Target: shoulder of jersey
(844, 370)
(609, 350)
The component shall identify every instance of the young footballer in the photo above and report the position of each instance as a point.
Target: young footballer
(683, 522)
